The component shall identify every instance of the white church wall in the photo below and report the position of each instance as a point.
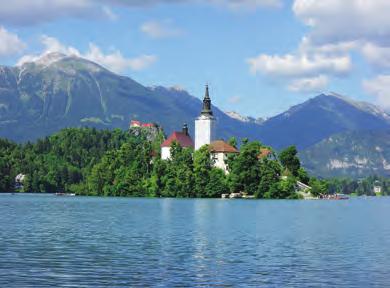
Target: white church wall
(204, 131)
(165, 153)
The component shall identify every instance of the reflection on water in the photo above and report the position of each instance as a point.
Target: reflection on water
(49, 241)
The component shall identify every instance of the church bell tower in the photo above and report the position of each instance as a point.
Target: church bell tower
(205, 124)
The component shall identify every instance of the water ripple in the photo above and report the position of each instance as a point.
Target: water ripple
(49, 241)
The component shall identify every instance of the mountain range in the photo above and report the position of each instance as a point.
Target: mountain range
(58, 91)
(351, 154)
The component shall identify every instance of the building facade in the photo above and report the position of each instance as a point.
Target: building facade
(220, 151)
(183, 138)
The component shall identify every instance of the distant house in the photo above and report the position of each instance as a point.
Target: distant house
(135, 124)
(377, 187)
(19, 180)
(265, 153)
(183, 138)
(220, 151)
(139, 124)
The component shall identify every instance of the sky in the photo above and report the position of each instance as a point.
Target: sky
(259, 57)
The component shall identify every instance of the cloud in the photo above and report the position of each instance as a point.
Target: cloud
(345, 20)
(234, 99)
(363, 26)
(10, 43)
(160, 29)
(248, 4)
(117, 62)
(30, 12)
(309, 85)
(26, 12)
(336, 28)
(379, 87)
(309, 68)
(299, 65)
(114, 60)
(231, 4)
(378, 56)
(340, 48)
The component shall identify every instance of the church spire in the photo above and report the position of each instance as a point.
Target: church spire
(206, 110)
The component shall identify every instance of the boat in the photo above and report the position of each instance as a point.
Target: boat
(334, 197)
(341, 197)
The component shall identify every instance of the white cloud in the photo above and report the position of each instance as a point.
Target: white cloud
(10, 43)
(160, 29)
(345, 20)
(309, 85)
(359, 25)
(309, 68)
(336, 29)
(52, 44)
(377, 55)
(299, 65)
(117, 62)
(114, 60)
(379, 87)
(248, 4)
(231, 4)
(27, 12)
(307, 46)
(234, 99)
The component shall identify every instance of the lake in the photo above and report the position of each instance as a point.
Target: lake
(51, 241)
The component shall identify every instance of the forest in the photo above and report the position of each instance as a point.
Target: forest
(87, 161)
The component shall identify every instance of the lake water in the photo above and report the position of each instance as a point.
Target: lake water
(51, 241)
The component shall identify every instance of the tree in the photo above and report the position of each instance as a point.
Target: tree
(217, 184)
(284, 189)
(245, 169)
(318, 187)
(270, 171)
(202, 167)
(303, 176)
(288, 158)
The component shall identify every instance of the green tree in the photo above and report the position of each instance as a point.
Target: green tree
(202, 167)
(270, 171)
(289, 159)
(245, 169)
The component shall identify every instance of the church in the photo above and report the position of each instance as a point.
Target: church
(205, 134)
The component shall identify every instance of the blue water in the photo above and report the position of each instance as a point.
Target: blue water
(51, 241)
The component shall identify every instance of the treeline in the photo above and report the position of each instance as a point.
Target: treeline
(117, 163)
(359, 187)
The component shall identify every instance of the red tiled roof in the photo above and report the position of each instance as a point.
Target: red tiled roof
(148, 125)
(181, 138)
(220, 146)
(264, 153)
(135, 123)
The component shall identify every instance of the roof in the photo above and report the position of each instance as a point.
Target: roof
(264, 153)
(135, 123)
(220, 146)
(148, 125)
(183, 139)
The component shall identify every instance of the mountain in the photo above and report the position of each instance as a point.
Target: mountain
(247, 119)
(57, 91)
(318, 118)
(353, 154)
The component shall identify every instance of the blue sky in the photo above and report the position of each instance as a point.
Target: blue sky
(259, 56)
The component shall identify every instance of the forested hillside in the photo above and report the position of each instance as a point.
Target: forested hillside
(120, 163)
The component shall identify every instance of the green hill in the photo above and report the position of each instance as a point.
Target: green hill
(353, 154)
